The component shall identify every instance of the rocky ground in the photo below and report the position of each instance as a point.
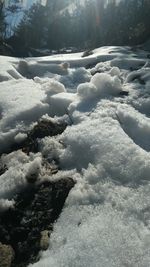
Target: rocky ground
(26, 227)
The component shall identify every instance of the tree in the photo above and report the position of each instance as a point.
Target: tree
(31, 30)
(95, 23)
(2, 22)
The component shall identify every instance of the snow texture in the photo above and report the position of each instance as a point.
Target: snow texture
(105, 148)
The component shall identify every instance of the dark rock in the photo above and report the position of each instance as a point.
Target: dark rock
(124, 93)
(32, 178)
(47, 128)
(4, 236)
(96, 71)
(3, 168)
(42, 129)
(28, 225)
(87, 53)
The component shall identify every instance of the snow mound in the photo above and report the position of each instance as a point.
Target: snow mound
(106, 85)
(32, 69)
(87, 91)
(101, 85)
(53, 87)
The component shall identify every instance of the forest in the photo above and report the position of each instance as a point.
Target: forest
(65, 23)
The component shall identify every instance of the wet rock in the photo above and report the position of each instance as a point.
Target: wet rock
(6, 255)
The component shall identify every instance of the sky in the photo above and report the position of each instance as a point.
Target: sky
(25, 3)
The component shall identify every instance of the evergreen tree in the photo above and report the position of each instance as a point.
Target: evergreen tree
(96, 23)
(31, 30)
(2, 22)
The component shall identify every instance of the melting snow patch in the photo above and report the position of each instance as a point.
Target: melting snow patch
(105, 149)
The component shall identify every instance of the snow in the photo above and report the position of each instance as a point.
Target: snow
(20, 137)
(8, 71)
(32, 69)
(106, 84)
(20, 105)
(6, 204)
(105, 149)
